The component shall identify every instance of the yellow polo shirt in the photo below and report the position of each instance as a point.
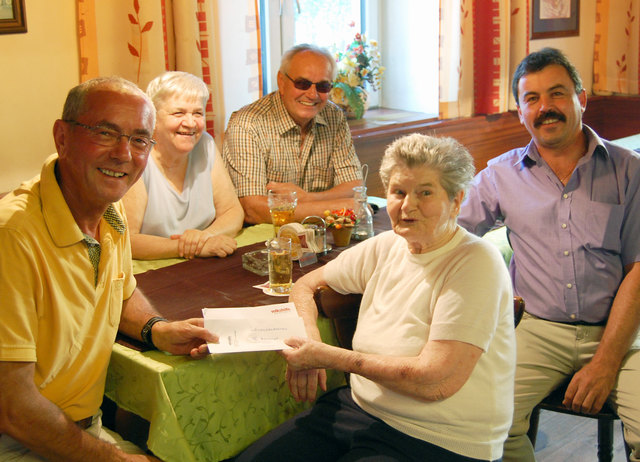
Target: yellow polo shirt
(52, 310)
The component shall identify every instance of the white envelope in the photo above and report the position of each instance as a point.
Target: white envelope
(261, 328)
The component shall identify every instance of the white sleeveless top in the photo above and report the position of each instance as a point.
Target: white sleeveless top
(169, 212)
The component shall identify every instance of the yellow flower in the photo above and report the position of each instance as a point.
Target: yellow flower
(342, 78)
(354, 80)
(338, 97)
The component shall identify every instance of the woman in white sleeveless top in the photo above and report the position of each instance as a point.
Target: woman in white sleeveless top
(184, 205)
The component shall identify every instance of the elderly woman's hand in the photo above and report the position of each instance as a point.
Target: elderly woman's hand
(218, 246)
(195, 243)
(191, 242)
(303, 376)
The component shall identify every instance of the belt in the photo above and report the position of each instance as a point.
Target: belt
(84, 423)
(585, 323)
(572, 323)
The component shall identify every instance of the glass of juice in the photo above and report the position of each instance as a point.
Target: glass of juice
(280, 264)
(282, 207)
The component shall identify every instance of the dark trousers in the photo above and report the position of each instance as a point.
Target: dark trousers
(337, 429)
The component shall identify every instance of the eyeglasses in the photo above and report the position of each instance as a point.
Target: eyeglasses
(303, 84)
(108, 137)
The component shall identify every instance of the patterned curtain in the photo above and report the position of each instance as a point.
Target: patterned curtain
(140, 39)
(616, 54)
(481, 43)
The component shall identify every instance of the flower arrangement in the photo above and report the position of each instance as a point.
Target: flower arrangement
(338, 219)
(357, 65)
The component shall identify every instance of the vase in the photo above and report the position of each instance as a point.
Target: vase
(342, 236)
(349, 111)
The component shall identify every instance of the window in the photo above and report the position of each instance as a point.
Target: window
(406, 30)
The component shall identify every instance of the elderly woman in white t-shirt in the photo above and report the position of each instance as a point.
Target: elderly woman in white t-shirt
(433, 358)
(184, 205)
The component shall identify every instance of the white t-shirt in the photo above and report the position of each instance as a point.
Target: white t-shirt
(461, 291)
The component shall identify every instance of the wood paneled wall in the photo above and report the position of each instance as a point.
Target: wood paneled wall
(486, 137)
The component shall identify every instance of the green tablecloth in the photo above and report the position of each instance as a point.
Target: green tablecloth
(209, 409)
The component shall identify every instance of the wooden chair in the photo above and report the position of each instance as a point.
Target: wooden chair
(342, 310)
(606, 416)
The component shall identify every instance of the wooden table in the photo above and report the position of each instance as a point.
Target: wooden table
(181, 291)
(210, 409)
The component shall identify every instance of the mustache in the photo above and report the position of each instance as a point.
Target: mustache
(549, 115)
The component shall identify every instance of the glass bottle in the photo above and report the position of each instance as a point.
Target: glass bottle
(364, 215)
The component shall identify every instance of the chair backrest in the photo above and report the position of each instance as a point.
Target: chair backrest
(518, 310)
(342, 310)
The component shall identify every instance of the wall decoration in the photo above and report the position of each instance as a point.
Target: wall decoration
(555, 18)
(12, 17)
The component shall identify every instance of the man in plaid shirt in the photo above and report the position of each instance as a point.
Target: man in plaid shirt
(293, 139)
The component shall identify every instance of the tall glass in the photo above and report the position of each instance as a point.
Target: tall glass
(280, 264)
(282, 206)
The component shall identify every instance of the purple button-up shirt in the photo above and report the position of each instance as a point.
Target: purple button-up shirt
(570, 243)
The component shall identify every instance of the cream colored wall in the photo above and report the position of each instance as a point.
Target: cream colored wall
(37, 70)
(578, 49)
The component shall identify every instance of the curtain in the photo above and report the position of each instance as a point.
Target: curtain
(481, 43)
(140, 39)
(616, 54)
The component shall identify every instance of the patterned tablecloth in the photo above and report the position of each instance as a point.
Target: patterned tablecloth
(209, 409)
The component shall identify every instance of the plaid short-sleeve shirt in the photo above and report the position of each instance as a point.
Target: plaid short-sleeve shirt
(263, 143)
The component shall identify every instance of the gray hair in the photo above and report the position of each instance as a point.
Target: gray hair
(174, 83)
(537, 61)
(285, 63)
(75, 104)
(445, 155)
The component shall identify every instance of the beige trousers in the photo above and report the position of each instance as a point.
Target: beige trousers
(548, 353)
(11, 450)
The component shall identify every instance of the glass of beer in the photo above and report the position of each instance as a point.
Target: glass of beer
(280, 264)
(282, 206)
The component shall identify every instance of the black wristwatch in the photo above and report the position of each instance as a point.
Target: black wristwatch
(145, 333)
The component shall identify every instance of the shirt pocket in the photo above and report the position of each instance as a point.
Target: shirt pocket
(600, 224)
(321, 175)
(280, 176)
(115, 300)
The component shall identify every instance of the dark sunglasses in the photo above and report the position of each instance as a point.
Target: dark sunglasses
(303, 84)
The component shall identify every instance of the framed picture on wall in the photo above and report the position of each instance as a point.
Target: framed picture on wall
(555, 18)
(12, 17)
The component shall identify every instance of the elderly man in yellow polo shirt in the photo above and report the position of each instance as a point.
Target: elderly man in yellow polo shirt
(66, 282)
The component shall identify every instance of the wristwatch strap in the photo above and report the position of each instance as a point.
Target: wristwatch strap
(145, 333)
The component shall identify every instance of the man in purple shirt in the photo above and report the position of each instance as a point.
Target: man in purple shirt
(570, 201)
